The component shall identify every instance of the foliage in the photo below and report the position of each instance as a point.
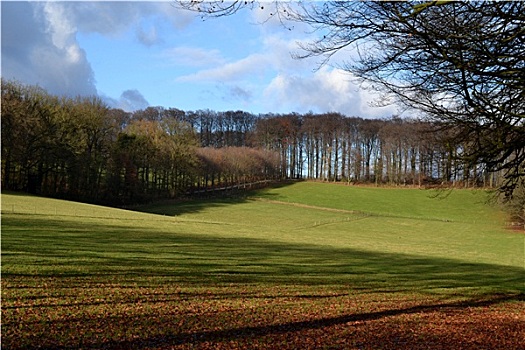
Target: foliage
(308, 265)
(80, 149)
(459, 63)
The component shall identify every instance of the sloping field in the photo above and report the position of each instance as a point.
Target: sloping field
(301, 266)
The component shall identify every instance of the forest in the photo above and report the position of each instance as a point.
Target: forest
(81, 149)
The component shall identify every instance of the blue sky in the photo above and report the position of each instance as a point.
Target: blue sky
(139, 54)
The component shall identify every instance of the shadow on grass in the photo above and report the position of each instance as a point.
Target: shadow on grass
(208, 199)
(70, 249)
(71, 253)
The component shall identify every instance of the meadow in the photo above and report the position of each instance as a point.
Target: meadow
(298, 266)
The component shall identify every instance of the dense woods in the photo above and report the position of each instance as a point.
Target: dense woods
(80, 149)
(83, 150)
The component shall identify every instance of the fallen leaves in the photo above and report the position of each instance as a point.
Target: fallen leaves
(164, 314)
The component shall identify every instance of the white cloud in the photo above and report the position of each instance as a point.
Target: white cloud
(58, 24)
(274, 55)
(249, 66)
(115, 17)
(303, 84)
(40, 46)
(244, 79)
(193, 56)
(280, 50)
(324, 91)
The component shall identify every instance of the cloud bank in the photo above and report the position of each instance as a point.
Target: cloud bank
(40, 46)
(235, 70)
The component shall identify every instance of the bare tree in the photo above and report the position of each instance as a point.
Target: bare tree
(461, 63)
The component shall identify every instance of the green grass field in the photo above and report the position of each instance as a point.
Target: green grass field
(303, 265)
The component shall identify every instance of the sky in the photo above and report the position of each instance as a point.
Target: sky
(139, 54)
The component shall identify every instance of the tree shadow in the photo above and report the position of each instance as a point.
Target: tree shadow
(208, 199)
(194, 338)
(169, 336)
(72, 249)
(110, 254)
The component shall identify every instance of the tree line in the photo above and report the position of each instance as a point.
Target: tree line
(79, 148)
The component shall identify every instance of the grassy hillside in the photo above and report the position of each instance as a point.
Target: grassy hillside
(456, 225)
(293, 256)
(306, 229)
